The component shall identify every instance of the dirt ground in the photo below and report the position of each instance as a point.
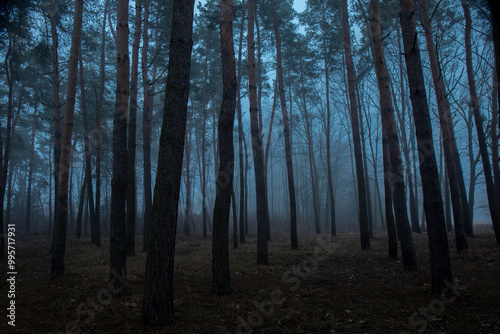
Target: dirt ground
(328, 286)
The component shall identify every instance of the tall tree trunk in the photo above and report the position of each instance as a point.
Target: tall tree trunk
(158, 304)
(433, 202)
(98, 122)
(187, 148)
(55, 99)
(94, 230)
(495, 24)
(118, 255)
(389, 131)
(351, 76)
(310, 151)
(478, 119)
(235, 220)
(146, 127)
(132, 125)
(286, 131)
(448, 134)
(30, 173)
(258, 158)
(60, 223)
(203, 161)
(240, 131)
(494, 138)
(224, 185)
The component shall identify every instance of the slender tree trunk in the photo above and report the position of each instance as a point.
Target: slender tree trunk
(118, 255)
(260, 186)
(478, 119)
(81, 200)
(390, 133)
(495, 24)
(447, 131)
(146, 126)
(235, 221)
(240, 131)
(95, 237)
(55, 99)
(187, 148)
(132, 125)
(363, 214)
(60, 223)
(203, 161)
(30, 173)
(98, 124)
(433, 202)
(286, 130)
(447, 201)
(494, 138)
(158, 304)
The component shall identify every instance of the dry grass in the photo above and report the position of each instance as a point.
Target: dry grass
(338, 289)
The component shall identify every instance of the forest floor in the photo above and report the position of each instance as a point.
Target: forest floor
(328, 286)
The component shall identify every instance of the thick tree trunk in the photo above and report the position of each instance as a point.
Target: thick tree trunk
(118, 255)
(286, 131)
(132, 125)
(351, 76)
(224, 185)
(60, 223)
(448, 134)
(478, 119)
(389, 132)
(260, 186)
(433, 202)
(158, 304)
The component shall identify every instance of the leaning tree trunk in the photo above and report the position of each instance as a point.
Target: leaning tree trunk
(448, 134)
(433, 203)
(61, 212)
(363, 214)
(478, 119)
(118, 255)
(220, 244)
(392, 142)
(286, 131)
(158, 303)
(132, 125)
(258, 157)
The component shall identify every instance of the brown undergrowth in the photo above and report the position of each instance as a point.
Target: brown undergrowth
(328, 286)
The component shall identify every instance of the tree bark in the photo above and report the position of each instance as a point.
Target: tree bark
(60, 223)
(478, 119)
(260, 186)
(224, 184)
(98, 123)
(240, 131)
(94, 229)
(433, 202)
(389, 133)
(118, 255)
(286, 131)
(460, 212)
(30, 172)
(351, 76)
(158, 303)
(132, 125)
